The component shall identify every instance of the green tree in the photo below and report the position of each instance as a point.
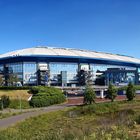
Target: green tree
(130, 92)
(89, 95)
(112, 92)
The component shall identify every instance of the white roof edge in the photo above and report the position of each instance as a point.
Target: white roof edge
(81, 50)
(46, 50)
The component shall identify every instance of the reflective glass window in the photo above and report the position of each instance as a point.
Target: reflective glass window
(17, 69)
(57, 68)
(112, 73)
(29, 73)
(139, 74)
(1, 68)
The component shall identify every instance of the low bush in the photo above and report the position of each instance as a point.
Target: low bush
(45, 96)
(89, 95)
(130, 92)
(15, 104)
(44, 90)
(44, 100)
(111, 92)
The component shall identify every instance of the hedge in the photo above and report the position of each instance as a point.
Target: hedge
(44, 90)
(45, 96)
(43, 100)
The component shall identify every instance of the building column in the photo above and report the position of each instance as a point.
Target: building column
(102, 93)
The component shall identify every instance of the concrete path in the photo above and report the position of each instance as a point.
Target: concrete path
(6, 122)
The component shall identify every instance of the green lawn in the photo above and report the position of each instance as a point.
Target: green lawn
(16, 94)
(104, 121)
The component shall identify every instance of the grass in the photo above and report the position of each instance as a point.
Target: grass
(5, 115)
(15, 104)
(104, 121)
(15, 97)
(15, 94)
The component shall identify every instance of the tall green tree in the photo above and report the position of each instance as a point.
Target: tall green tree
(89, 95)
(130, 92)
(112, 92)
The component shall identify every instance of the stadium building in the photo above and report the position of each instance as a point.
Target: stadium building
(64, 67)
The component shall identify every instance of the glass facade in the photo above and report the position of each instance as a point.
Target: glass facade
(104, 74)
(139, 74)
(30, 73)
(1, 68)
(57, 68)
(16, 69)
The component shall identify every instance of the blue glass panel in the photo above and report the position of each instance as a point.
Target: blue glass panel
(29, 73)
(56, 68)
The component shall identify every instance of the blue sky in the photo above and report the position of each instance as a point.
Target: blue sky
(100, 25)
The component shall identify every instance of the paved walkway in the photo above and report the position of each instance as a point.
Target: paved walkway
(6, 122)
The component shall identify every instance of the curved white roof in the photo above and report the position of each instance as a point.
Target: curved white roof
(49, 51)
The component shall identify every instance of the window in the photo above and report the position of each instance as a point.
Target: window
(57, 68)
(29, 73)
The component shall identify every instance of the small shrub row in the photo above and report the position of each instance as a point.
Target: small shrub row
(45, 96)
(43, 100)
(130, 92)
(45, 90)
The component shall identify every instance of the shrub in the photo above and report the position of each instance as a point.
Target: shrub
(130, 92)
(34, 90)
(15, 104)
(112, 92)
(45, 96)
(45, 90)
(89, 95)
(5, 101)
(43, 100)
